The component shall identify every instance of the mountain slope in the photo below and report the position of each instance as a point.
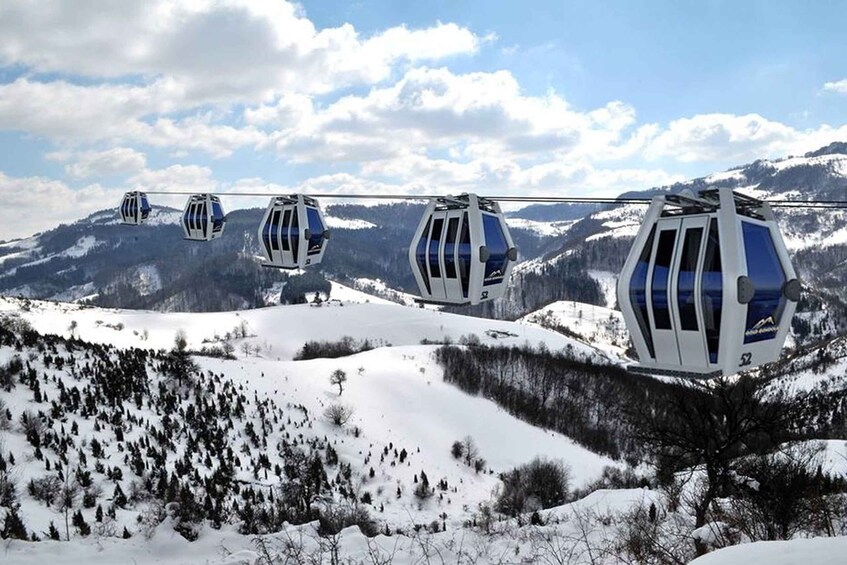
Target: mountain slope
(86, 404)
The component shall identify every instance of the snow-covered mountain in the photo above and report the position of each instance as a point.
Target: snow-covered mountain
(817, 239)
(560, 247)
(98, 260)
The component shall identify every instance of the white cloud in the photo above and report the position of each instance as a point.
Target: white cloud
(718, 136)
(216, 76)
(74, 115)
(34, 204)
(497, 176)
(162, 58)
(430, 109)
(113, 161)
(199, 133)
(70, 112)
(178, 178)
(839, 86)
(437, 42)
(214, 50)
(728, 138)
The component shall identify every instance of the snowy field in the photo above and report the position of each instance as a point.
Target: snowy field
(280, 331)
(504, 544)
(396, 393)
(602, 327)
(398, 399)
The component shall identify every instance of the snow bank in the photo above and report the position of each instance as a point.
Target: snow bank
(817, 551)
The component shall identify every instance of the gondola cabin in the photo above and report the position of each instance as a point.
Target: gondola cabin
(462, 252)
(135, 209)
(708, 288)
(293, 232)
(203, 218)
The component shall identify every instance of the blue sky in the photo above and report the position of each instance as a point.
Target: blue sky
(668, 58)
(576, 98)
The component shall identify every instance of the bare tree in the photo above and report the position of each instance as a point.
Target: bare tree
(338, 414)
(338, 377)
(711, 425)
(471, 452)
(68, 498)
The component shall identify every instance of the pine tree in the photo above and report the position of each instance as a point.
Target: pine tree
(13, 525)
(119, 498)
(80, 524)
(53, 533)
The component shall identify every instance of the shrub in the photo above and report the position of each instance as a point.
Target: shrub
(538, 484)
(332, 349)
(335, 518)
(338, 414)
(46, 489)
(457, 450)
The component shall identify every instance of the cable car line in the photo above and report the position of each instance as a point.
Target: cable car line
(564, 199)
(783, 203)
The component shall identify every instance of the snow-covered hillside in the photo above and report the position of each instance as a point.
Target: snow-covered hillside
(402, 421)
(820, 551)
(395, 392)
(281, 331)
(602, 327)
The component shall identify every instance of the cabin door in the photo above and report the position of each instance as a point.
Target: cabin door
(685, 289)
(674, 288)
(662, 321)
(441, 255)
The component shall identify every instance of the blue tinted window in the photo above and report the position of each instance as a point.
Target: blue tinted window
(295, 234)
(712, 290)
(204, 218)
(450, 248)
(218, 217)
(495, 241)
(316, 231)
(145, 208)
(284, 230)
(187, 219)
(465, 255)
(266, 235)
(274, 233)
(765, 271)
(638, 291)
(661, 273)
(434, 241)
(420, 253)
(685, 280)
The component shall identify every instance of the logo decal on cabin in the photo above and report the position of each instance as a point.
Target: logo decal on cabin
(764, 326)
